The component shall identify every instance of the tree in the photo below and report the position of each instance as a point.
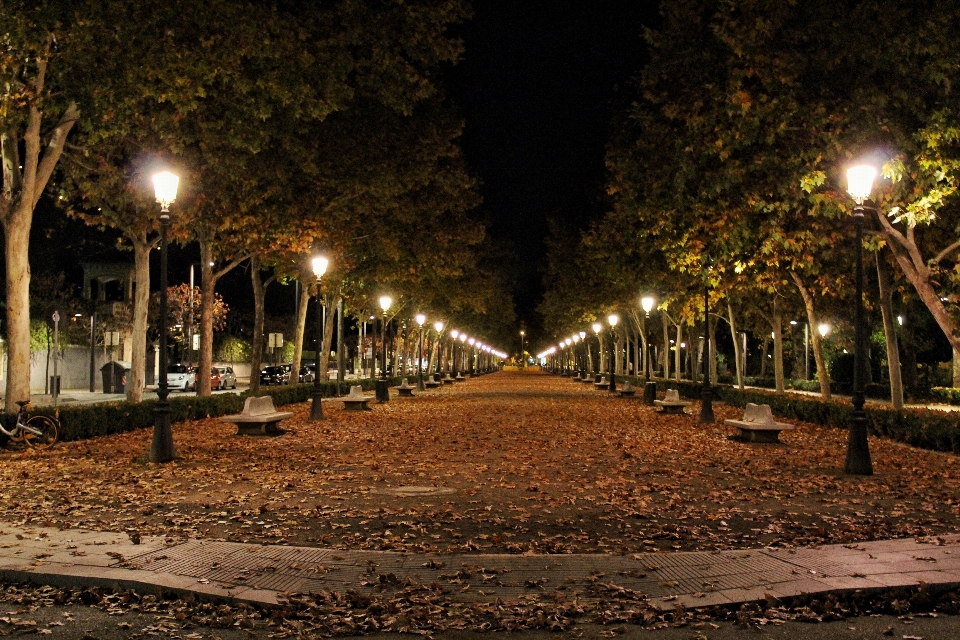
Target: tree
(32, 98)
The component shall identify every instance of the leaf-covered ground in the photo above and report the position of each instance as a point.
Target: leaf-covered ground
(520, 463)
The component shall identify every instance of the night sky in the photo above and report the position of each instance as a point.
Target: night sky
(537, 87)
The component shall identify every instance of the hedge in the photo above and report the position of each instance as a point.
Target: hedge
(923, 428)
(78, 422)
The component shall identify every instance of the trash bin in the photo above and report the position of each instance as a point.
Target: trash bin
(115, 376)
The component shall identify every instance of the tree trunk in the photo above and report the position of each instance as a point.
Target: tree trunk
(712, 354)
(330, 302)
(207, 302)
(890, 335)
(763, 357)
(677, 354)
(301, 330)
(666, 348)
(141, 304)
(915, 267)
(737, 354)
(815, 340)
(256, 351)
(17, 238)
(776, 323)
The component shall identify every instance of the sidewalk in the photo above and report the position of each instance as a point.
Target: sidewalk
(264, 575)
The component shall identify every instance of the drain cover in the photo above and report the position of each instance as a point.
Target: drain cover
(414, 491)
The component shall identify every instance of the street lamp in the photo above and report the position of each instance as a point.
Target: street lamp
(161, 449)
(454, 334)
(471, 342)
(522, 359)
(463, 344)
(438, 327)
(597, 327)
(650, 387)
(824, 329)
(319, 265)
(859, 185)
(420, 318)
(383, 392)
(613, 319)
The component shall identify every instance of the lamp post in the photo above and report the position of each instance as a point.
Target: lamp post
(706, 396)
(471, 342)
(438, 327)
(319, 265)
(454, 334)
(650, 386)
(383, 392)
(420, 318)
(161, 449)
(522, 359)
(613, 319)
(597, 327)
(859, 185)
(463, 346)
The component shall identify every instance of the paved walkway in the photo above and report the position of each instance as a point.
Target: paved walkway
(264, 574)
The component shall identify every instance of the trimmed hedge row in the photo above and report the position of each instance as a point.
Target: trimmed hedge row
(923, 428)
(78, 422)
(945, 395)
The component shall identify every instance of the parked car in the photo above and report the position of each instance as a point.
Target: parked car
(228, 380)
(307, 374)
(214, 378)
(180, 377)
(274, 374)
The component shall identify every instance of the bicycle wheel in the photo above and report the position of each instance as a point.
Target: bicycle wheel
(48, 432)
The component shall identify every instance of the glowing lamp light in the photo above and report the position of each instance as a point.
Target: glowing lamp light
(420, 318)
(165, 187)
(385, 302)
(463, 337)
(596, 327)
(319, 265)
(647, 303)
(438, 326)
(824, 329)
(860, 182)
(613, 319)
(454, 334)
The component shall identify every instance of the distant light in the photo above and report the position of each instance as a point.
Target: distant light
(824, 329)
(793, 322)
(900, 320)
(860, 182)
(420, 318)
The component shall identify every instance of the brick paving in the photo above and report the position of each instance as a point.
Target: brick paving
(265, 574)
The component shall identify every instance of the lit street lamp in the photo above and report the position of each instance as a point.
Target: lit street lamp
(437, 347)
(597, 327)
(859, 185)
(383, 391)
(319, 265)
(161, 449)
(613, 319)
(522, 359)
(463, 346)
(454, 334)
(471, 342)
(650, 387)
(420, 318)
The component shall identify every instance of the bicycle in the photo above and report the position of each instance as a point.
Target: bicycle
(38, 432)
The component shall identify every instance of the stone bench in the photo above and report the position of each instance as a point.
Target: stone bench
(431, 382)
(259, 417)
(603, 385)
(355, 400)
(447, 379)
(627, 391)
(406, 389)
(758, 424)
(671, 402)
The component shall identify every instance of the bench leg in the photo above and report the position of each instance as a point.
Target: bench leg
(259, 429)
(760, 437)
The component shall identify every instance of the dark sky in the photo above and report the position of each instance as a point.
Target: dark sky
(536, 87)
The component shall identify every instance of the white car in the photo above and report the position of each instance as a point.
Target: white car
(228, 380)
(181, 378)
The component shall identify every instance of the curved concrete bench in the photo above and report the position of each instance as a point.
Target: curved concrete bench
(671, 402)
(259, 417)
(758, 424)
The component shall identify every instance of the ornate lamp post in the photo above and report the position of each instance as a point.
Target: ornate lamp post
(612, 320)
(463, 346)
(420, 318)
(161, 449)
(650, 386)
(383, 390)
(319, 265)
(471, 342)
(523, 360)
(597, 327)
(454, 334)
(438, 327)
(859, 185)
